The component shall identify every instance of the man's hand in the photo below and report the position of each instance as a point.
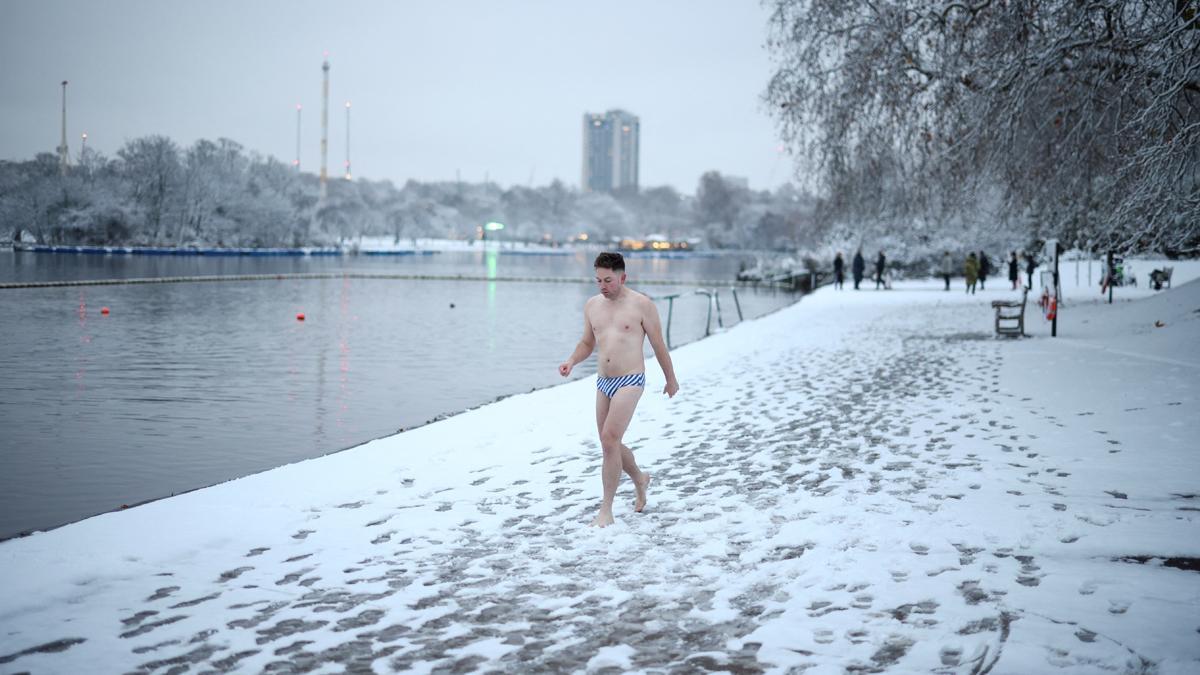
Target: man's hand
(671, 388)
(564, 368)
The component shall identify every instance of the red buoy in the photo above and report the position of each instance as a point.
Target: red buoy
(104, 310)
(300, 316)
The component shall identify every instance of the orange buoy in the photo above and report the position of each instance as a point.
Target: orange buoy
(300, 316)
(104, 310)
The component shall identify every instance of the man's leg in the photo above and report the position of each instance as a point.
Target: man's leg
(640, 478)
(616, 421)
(628, 464)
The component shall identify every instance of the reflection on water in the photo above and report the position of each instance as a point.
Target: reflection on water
(491, 259)
(185, 385)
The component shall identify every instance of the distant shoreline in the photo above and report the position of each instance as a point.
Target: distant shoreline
(307, 251)
(172, 250)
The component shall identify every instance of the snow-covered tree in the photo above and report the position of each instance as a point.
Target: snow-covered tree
(1082, 117)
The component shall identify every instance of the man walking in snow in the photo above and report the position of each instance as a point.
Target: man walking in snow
(616, 323)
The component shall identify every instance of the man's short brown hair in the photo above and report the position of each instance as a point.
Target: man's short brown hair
(610, 261)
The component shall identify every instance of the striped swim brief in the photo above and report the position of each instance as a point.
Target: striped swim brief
(610, 385)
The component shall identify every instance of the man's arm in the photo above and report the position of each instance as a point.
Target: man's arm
(653, 327)
(582, 350)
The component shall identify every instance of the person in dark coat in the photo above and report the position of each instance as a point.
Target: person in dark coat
(1014, 270)
(858, 266)
(839, 271)
(1030, 266)
(880, 264)
(985, 268)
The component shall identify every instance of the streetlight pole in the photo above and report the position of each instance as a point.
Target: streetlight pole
(1057, 296)
(296, 162)
(324, 129)
(63, 158)
(347, 140)
(1110, 276)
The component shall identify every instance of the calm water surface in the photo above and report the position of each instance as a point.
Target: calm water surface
(185, 385)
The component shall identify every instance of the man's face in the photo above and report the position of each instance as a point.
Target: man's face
(609, 281)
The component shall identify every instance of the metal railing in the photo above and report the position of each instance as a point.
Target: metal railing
(714, 300)
(670, 312)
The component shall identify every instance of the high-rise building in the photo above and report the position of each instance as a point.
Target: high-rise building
(610, 151)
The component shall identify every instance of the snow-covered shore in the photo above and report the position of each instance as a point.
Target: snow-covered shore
(863, 480)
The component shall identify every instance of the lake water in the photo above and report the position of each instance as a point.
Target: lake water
(183, 385)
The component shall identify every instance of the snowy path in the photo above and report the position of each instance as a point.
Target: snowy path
(863, 482)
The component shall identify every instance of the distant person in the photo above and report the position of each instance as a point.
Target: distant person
(947, 268)
(616, 323)
(858, 266)
(1110, 275)
(971, 269)
(985, 268)
(880, 264)
(1030, 266)
(839, 271)
(1014, 270)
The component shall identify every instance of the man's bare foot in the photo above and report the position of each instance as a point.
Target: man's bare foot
(640, 488)
(603, 520)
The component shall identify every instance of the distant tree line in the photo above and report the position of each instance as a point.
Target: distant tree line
(1059, 118)
(215, 193)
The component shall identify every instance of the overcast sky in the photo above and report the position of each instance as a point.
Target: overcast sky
(485, 88)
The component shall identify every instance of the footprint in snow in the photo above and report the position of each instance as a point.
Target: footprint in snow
(162, 593)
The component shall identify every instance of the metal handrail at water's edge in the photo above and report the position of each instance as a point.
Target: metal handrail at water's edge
(714, 298)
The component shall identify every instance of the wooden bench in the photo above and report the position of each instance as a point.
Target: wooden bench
(1010, 316)
(1160, 278)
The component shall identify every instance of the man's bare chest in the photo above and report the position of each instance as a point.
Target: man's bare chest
(617, 323)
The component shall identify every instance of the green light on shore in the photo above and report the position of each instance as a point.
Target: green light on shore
(492, 227)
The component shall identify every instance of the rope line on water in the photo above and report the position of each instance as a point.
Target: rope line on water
(354, 275)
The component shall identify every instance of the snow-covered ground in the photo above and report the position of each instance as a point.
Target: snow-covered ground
(864, 481)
